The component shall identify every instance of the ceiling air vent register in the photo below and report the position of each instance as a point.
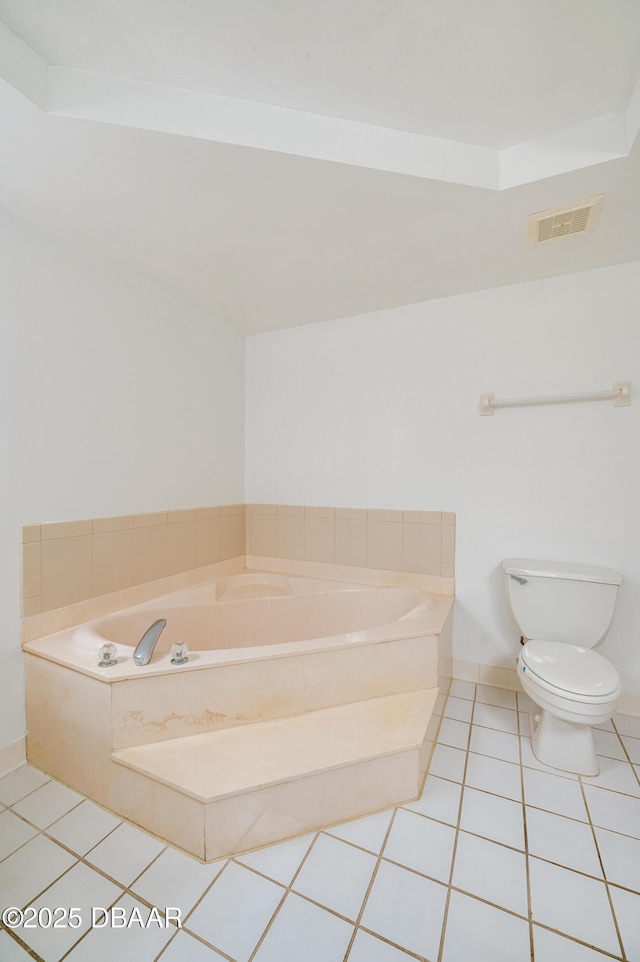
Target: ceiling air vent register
(577, 218)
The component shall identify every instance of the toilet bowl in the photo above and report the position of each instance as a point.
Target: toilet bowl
(564, 610)
(574, 689)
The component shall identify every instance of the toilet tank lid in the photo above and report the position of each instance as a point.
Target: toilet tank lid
(527, 567)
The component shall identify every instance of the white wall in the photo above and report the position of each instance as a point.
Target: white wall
(116, 398)
(382, 411)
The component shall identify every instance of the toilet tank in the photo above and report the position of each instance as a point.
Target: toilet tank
(559, 601)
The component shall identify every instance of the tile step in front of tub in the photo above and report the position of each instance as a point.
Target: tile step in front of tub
(218, 764)
(262, 783)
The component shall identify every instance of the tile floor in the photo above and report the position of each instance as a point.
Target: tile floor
(501, 860)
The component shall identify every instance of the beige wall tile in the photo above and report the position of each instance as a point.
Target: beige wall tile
(384, 545)
(202, 513)
(351, 542)
(66, 529)
(423, 517)
(421, 549)
(67, 571)
(181, 544)
(486, 674)
(112, 561)
(351, 514)
(208, 541)
(238, 540)
(492, 675)
(31, 570)
(513, 682)
(232, 536)
(448, 544)
(207, 535)
(151, 520)
(263, 534)
(319, 539)
(314, 511)
(103, 525)
(184, 514)
(384, 514)
(150, 553)
(290, 537)
(464, 670)
(31, 606)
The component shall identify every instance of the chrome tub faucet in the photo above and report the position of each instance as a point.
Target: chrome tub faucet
(144, 649)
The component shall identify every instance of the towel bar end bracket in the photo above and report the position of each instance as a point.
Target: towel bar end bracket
(624, 398)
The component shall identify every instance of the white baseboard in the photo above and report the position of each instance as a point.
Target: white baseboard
(484, 674)
(12, 756)
(508, 678)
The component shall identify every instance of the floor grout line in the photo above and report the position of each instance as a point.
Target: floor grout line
(166, 945)
(604, 873)
(526, 846)
(371, 884)
(27, 794)
(445, 916)
(380, 857)
(288, 889)
(23, 945)
(376, 935)
(124, 887)
(588, 945)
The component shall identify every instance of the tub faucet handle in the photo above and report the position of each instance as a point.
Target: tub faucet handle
(179, 653)
(107, 654)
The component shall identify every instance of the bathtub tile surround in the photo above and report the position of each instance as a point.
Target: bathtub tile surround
(233, 532)
(68, 562)
(80, 571)
(66, 567)
(391, 886)
(422, 542)
(113, 558)
(72, 561)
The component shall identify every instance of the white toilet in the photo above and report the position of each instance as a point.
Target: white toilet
(564, 610)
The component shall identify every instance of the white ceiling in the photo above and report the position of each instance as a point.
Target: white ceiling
(491, 73)
(256, 227)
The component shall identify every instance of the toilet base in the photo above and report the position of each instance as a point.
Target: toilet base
(561, 744)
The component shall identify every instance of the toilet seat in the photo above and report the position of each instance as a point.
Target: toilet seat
(569, 671)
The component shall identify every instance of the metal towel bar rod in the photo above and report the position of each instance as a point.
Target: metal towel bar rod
(620, 395)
